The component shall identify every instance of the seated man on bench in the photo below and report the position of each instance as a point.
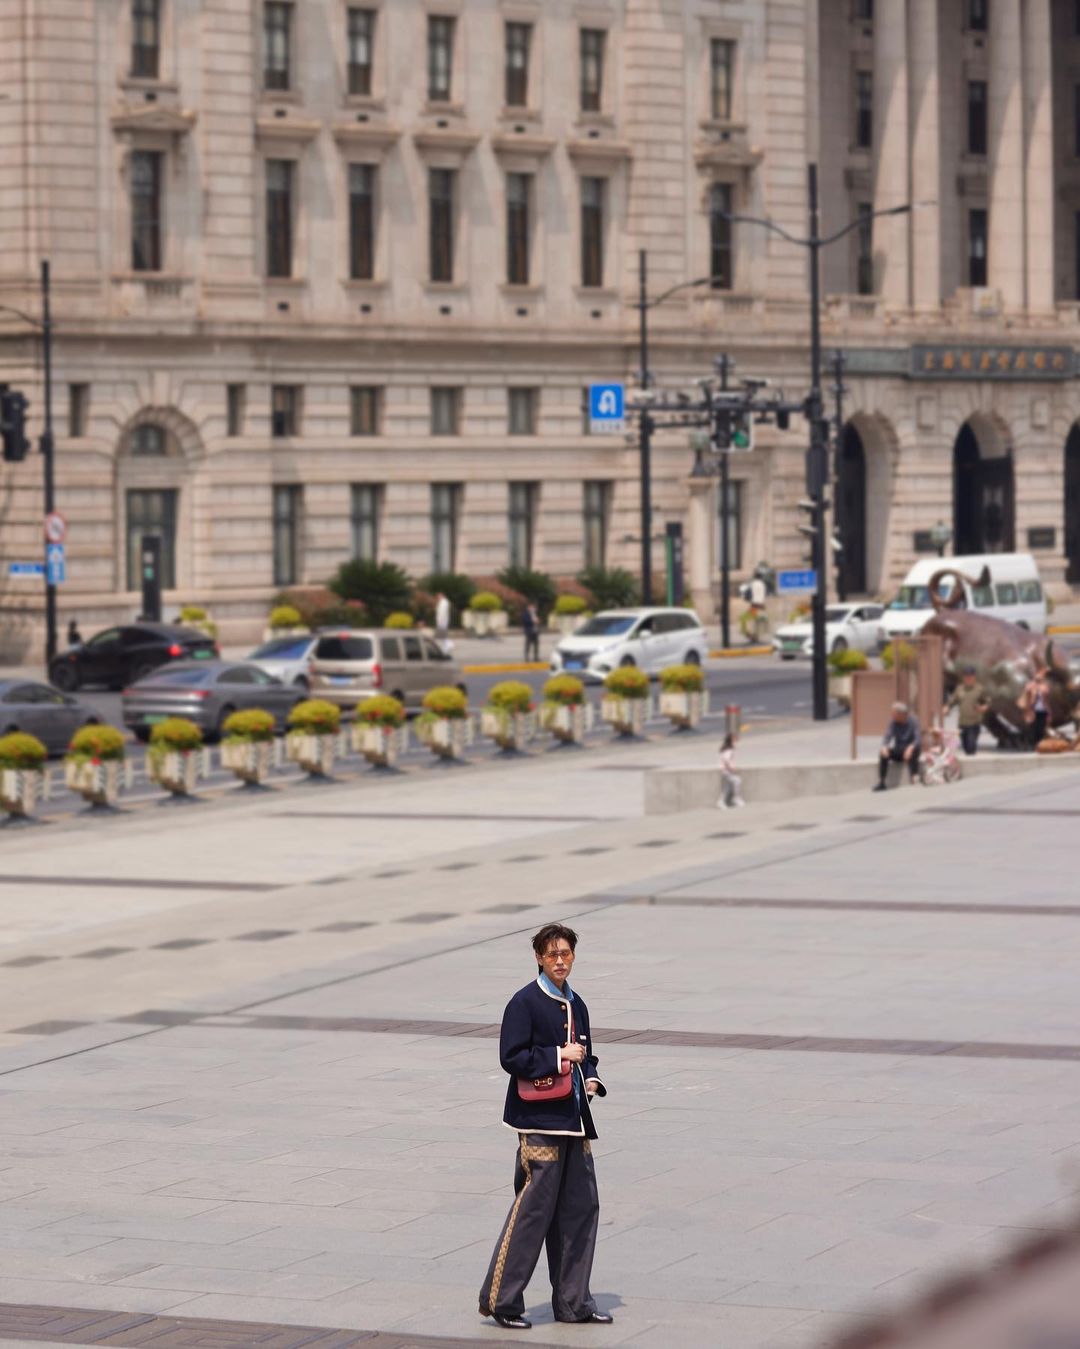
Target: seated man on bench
(900, 744)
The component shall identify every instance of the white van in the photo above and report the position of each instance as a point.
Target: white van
(1014, 593)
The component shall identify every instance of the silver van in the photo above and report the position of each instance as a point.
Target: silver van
(351, 664)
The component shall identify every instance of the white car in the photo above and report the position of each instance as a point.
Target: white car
(853, 626)
(286, 658)
(648, 638)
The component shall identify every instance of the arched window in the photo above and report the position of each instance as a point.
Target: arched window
(150, 440)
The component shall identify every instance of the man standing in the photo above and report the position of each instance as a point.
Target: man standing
(901, 743)
(442, 620)
(530, 626)
(973, 703)
(546, 1047)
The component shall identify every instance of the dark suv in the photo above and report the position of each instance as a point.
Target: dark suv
(120, 656)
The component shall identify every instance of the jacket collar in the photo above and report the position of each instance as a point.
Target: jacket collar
(557, 997)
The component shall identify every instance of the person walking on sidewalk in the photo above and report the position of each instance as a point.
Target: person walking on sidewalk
(546, 1047)
(972, 702)
(901, 743)
(530, 626)
(442, 620)
(730, 781)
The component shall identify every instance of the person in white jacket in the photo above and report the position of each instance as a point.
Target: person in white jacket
(442, 620)
(730, 781)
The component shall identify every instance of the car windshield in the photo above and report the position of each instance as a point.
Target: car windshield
(179, 677)
(918, 597)
(606, 625)
(282, 648)
(835, 615)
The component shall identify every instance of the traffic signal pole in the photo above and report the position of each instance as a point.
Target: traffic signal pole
(645, 437)
(47, 456)
(722, 364)
(817, 459)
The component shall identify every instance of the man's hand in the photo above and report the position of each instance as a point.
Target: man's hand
(884, 751)
(908, 753)
(590, 1088)
(574, 1053)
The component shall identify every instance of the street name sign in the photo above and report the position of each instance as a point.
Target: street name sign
(26, 570)
(796, 582)
(607, 408)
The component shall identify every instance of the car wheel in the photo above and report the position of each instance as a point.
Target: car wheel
(64, 677)
(142, 734)
(693, 658)
(787, 657)
(839, 645)
(141, 671)
(627, 662)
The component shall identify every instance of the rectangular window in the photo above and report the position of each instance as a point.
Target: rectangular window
(521, 405)
(366, 509)
(145, 172)
(518, 39)
(362, 221)
(864, 10)
(277, 44)
(976, 117)
(1076, 17)
(977, 247)
(151, 514)
(360, 46)
(721, 78)
(366, 409)
(978, 15)
(440, 54)
(279, 217)
(78, 408)
(284, 410)
(597, 512)
(441, 223)
(235, 408)
(146, 39)
(592, 231)
(518, 198)
(445, 510)
(864, 109)
(523, 498)
(445, 411)
(731, 519)
(288, 505)
(864, 280)
(721, 270)
(591, 68)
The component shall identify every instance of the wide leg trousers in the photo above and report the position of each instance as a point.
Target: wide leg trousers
(555, 1204)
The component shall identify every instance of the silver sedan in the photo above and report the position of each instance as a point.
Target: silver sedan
(42, 711)
(205, 692)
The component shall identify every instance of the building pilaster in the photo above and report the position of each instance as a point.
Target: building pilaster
(892, 152)
(1006, 136)
(925, 95)
(1039, 155)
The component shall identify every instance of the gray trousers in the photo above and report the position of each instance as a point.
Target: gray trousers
(555, 1204)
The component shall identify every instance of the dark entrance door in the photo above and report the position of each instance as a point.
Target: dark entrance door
(983, 499)
(851, 514)
(1072, 505)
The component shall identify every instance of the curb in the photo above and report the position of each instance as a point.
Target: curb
(1060, 629)
(735, 652)
(507, 667)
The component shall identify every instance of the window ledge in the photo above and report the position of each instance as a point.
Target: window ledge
(268, 97)
(596, 293)
(436, 108)
(360, 102)
(586, 120)
(363, 284)
(524, 114)
(143, 84)
(446, 287)
(515, 291)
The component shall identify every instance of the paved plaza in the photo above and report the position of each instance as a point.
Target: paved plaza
(248, 1069)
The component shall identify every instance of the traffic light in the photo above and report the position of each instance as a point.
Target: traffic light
(810, 528)
(13, 407)
(742, 429)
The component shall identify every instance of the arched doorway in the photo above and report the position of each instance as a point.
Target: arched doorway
(851, 513)
(1072, 505)
(984, 497)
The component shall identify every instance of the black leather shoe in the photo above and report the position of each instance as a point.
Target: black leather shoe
(511, 1322)
(592, 1319)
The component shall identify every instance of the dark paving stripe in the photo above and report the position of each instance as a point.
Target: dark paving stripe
(142, 883)
(425, 917)
(865, 819)
(999, 810)
(24, 962)
(181, 943)
(160, 1017)
(74, 1325)
(677, 901)
(49, 1027)
(421, 815)
(457, 866)
(342, 927)
(655, 843)
(266, 934)
(728, 833)
(509, 908)
(794, 826)
(622, 768)
(385, 875)
(588, 852)
(526, 857)
(104, 952)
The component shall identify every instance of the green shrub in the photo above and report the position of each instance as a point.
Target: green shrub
(19, 750)
(848, 662)
(682, 679)
(399, 620)
(511, 695)
(380, 710)
(610, 587)
(315, 716)
(446, 701)
(570, 604)
(192, 613)
(457, 588)
(907, 656)
(536, 586)
(97, 744)
(512, 600)
(285, 616)
(565, 690)
(175, 735)
(382, 587)
(627, 682)
(484, 602)
(251, 727)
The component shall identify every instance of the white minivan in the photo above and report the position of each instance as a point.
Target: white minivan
(1014, 592)
(648, 638)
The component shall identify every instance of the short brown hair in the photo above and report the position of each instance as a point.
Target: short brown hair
(554, 932)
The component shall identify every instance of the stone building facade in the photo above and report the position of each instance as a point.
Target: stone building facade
(330, 278)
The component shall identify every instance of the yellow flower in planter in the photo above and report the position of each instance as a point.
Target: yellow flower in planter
(682, 679)
(315, 716)
(627, 682)
(564, 690)
(400, 620)
(19, 750)
(381, 710)
(251, 727)
(97, 744)
(285, 616)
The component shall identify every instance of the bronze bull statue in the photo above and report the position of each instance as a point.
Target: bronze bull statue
(1004, 656)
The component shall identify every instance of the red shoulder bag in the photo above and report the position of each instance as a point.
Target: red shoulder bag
(553, 1087)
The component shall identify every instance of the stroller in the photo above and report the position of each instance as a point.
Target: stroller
(940, 762)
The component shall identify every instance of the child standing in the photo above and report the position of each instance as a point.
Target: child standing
(730, 782)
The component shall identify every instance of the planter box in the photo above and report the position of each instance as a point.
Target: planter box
(567, 724)
(380, 745)
(446, 737)
(627, 715)
(22, 788)
(509, 730)
(177, 771)
(484, 622)
(314, 753)
(98, 783)
(567, 623)
(270, 633)
(684, 709)
(250, 762)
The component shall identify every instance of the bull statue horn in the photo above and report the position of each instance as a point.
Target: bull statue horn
(955, 599)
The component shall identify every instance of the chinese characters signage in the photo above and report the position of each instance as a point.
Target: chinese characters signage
(977, 362)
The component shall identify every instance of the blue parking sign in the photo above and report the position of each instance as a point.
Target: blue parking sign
(55, 564)
(607, 408)
(796, 582)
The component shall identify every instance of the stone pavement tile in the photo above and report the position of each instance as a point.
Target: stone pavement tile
(246, 1282)
(236, 1255)
(877, 1255)
(821, 1330)
(335, 1312)
(832, 1297)
(745, 1327)
(103, 1297)
(218, 1228)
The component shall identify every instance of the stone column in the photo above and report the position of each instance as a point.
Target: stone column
(1039, 155)
(892, 151)
(925, 95)
(1006, 136)
(701, 529)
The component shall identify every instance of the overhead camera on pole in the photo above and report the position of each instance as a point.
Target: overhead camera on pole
(13, 407)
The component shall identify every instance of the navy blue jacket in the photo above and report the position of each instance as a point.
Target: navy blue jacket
(534, 1027)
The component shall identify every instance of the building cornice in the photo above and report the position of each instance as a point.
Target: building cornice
(372, 135)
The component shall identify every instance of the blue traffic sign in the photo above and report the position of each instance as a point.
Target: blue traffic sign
(607, 407)
(26, 569)
(55, 564)
(796, 582)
